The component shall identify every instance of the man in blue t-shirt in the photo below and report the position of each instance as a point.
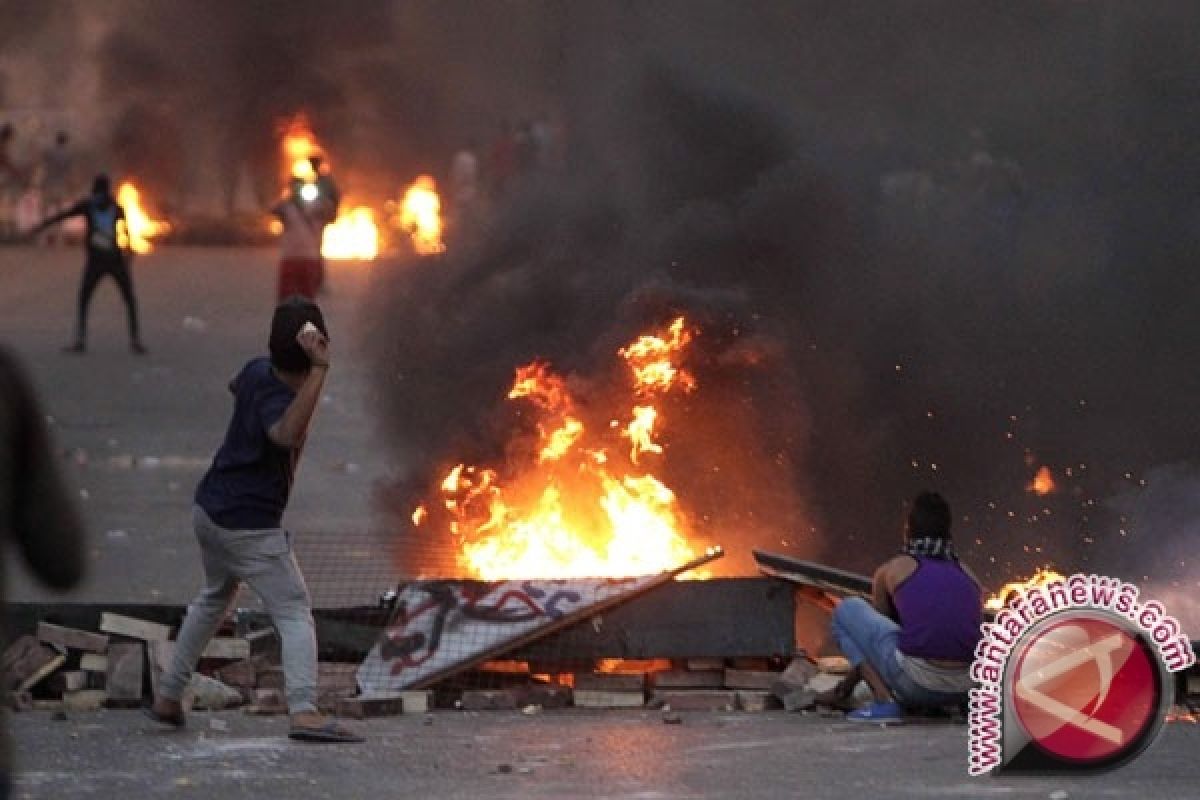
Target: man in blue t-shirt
(238, 517)
(104, 257)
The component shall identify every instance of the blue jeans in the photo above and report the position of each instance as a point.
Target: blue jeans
(864, 634)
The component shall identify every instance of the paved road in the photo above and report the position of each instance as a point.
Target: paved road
(559, 754)
(137, 433)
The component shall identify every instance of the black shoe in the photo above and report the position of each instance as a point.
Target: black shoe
(78, 347)
(138, 348)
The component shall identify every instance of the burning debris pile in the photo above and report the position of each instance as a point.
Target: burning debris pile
(578, 497)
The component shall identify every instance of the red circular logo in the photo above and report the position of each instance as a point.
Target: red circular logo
(1086, 689)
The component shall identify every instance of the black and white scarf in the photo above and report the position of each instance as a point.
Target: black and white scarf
(930, 547)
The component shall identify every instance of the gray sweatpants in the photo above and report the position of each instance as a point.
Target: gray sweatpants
(265, 561)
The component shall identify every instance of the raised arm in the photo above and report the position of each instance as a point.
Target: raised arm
(292, 427)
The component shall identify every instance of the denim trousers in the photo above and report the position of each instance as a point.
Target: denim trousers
(264, 560)
(864, 634)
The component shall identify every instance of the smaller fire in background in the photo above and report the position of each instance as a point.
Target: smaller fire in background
(353, 236)
(419, 214)
(140, 227)
(1042, 577)
(1043, 482)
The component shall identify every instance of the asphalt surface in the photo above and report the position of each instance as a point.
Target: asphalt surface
(554, 754)
(137, 433)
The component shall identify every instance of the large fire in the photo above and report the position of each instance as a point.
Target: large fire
(1042, 577)
(420, 216)
(353, 236)
(580, 499)
(140, 227)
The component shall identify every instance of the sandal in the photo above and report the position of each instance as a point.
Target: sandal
(331, 731)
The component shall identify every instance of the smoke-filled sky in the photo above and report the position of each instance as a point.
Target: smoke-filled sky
(934, 244)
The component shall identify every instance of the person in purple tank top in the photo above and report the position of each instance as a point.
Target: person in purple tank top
(913, 643)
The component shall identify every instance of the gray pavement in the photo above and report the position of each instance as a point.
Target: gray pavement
(555, 754)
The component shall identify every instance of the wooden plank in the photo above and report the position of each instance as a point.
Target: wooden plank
(134, 628)
(754, 700)
(72, 638)
(598, 698)
(37, 675)
(811, 573)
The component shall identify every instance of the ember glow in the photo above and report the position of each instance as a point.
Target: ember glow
(420, 216)
(1043, 482)
(1042, 577)
(574, 501)
(140, 227)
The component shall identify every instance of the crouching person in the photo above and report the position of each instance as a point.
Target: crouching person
(238, 516)
(913, 643)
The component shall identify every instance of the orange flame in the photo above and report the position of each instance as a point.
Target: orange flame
(1042, 577)
(1043, 482)
(140, 227)
(650, 359)
(298, 145)
(353, 236)
(421, 216)
(568, 507)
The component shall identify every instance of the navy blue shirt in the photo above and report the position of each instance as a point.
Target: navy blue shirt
(248, 484)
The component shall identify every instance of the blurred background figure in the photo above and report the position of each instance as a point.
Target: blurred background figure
(11, 182)
(302, 215)
(37, 513)
(56, 180)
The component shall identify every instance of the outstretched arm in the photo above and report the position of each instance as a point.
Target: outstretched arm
(77, 210)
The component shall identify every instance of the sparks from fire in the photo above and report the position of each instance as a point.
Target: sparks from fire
(576, 503)
(140, 227)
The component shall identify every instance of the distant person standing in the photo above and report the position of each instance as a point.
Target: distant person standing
(323, 206)
(464, 184)
(105, 256)
(299, 243)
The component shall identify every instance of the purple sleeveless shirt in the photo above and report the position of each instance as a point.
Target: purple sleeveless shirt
(940, 611)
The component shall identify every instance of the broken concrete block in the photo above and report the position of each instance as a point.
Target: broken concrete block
(226, 649)
(689, 679)
(491, 699)
(85, 700)
(93, 662)
(749, 679)
(68, 681)
(267, 701)
(695, 699)
(416, 701)
(796, 676)
(610, 681)
(837, 665)
(19, 701)
(757, 700)
(211, 694)
(239, 674)
(799, 700)
(123, 680)
(598, 698)
(26, 662)
(134, 628)
(546, 695)
(72, 638)
(823, 682)
(368, 706)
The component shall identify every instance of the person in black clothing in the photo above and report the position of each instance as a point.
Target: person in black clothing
(104, 257)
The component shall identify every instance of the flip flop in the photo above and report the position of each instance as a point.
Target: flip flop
(329, 732)
(174, 720)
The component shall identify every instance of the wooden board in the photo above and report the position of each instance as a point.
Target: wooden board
(810, 573)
